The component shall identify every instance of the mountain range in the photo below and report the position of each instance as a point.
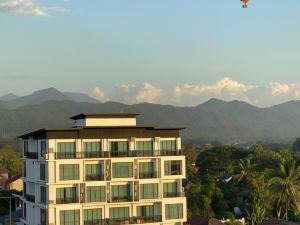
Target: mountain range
(214, 120)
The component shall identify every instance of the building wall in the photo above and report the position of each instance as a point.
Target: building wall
(33, 182)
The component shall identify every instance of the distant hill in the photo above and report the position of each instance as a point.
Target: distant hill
(49, 94)
(8, 97)
(215, 120)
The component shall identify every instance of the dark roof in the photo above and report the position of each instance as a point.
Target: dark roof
(104, 115)
(17, 177)
(90, 128)
(199, 220)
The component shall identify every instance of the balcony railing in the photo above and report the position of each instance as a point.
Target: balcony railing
(132, 220)
(94, 177)
(173, 172)
(95, 222)
(122, 199)
(30, 198)
(32, 155)
(66, 200)
(107, 154)
(147, 219)
(173, 194)
(147, 175)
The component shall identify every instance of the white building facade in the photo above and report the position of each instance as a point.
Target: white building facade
(106, 170)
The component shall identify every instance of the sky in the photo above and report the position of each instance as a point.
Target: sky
(179, 52)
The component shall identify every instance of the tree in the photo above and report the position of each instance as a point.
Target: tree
(296, 145)
(10, 160)
(286, 188)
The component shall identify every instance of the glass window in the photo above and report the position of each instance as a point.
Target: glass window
(92, 216)
(66, 195)
(25, 147)
(145, 211)
(96, 194)
(168, 145)
(66, 150)
(70, 217)
(170, 189)
(92, 149)
(43, 148)
(69, 172)
(24, 169)
(149, 191)
(146, 170)
(174, 211)
(119, 213)
(43, 217)
(122, 169)
(173, 167)
(93, 172)
(119, 148)
(43, 194)
(144, 147)
(42, 172)
(121, 192)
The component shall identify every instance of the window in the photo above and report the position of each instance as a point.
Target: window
(69, 172)
(93, 172)
(42, 172)
(145, 211)
(149, 191)
(43, 194)
(119, 148)
(172, 167)
(144, 148)
(147, 170)
(96, 194)
(43, 148)
(92, 149)
(170, 189)
(43, 217)
(122, 170)
(121, 193)
(24, 189)
(24, 211)
(66, 195)
(92, 216)
(119, 213)
(24, 169)
(174, 211)
(25, 147)
(168, 145)
(70, 217)
(66, 150)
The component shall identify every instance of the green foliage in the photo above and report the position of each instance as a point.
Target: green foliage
(10, 160)
(265, 183)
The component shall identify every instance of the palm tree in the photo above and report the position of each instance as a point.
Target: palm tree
(246, 170)
(286, 187)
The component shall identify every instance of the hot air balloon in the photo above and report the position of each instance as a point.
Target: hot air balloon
(245, 3)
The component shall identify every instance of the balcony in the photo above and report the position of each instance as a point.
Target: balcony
(94, 177)
(173, 194)
(147, 219)
(107, 154)
(132, 220)
(147, 175)
(122, 199)
(30, 198)
(66, 200)
(32, 155)
(95, 222)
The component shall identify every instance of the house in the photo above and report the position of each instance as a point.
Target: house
(8, 181)
(104, 170)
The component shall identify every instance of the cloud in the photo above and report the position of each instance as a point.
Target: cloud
(194, 94)
(149, 93)
(100, 95)
(23, 7)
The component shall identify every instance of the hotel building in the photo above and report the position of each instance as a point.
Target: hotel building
(105, 170)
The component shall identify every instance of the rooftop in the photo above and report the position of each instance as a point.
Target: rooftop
(104, 115)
